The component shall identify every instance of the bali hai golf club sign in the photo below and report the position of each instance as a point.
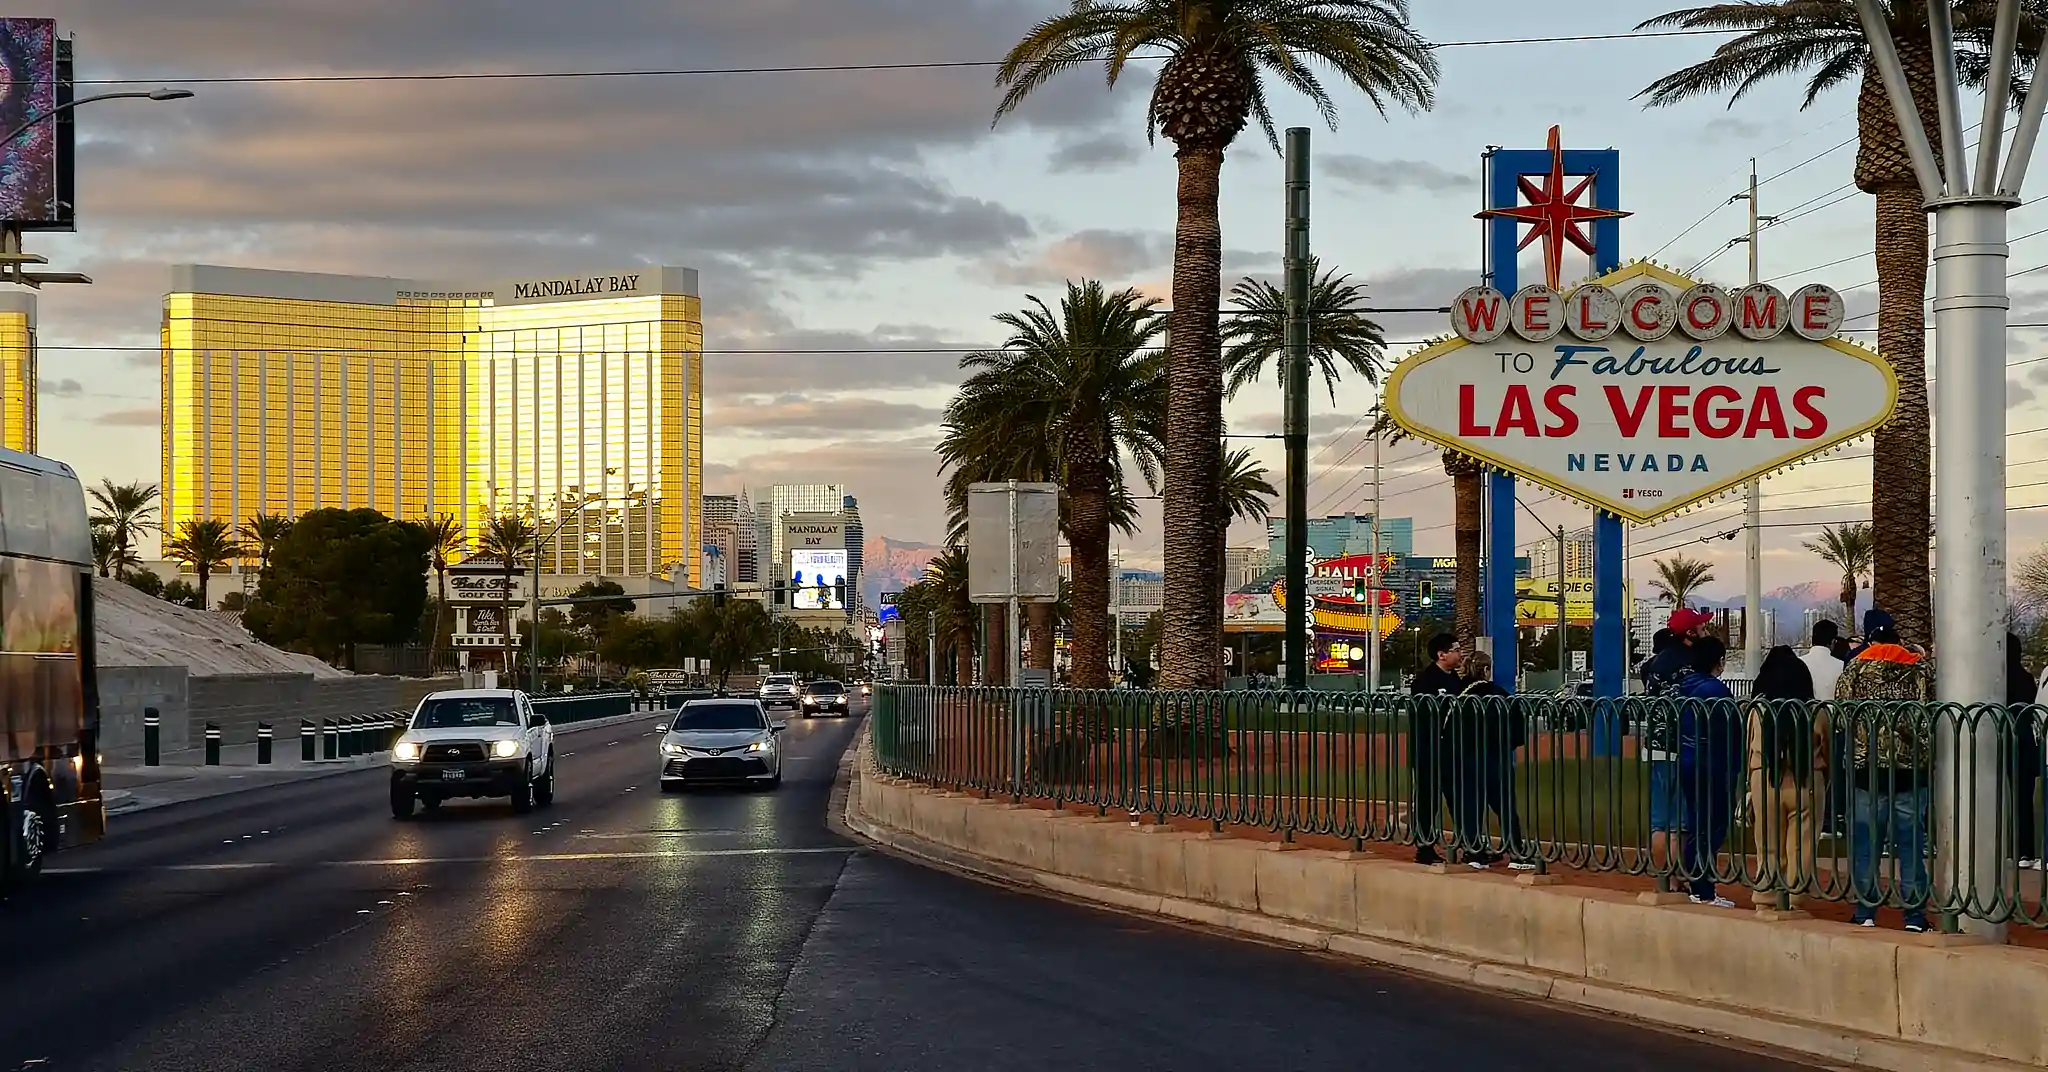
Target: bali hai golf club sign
(1642, 392)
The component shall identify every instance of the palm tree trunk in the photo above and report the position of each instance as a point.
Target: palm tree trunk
(1088, 541)
(1901, 450)
(1191, 642)
(201, 569)
(963, 653)
(440, 616)
(1848, 602)
(505, 619)
(1467, 485)
(1042, 617)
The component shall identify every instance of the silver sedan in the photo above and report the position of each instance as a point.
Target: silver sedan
(724, 741)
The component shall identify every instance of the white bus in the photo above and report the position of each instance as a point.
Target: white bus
(49, 700)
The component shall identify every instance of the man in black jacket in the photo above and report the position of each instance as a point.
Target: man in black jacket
(1438, 682)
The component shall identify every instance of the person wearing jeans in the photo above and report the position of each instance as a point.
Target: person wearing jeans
(1890, 756)
(1710, 752)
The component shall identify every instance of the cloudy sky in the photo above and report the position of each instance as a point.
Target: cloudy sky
(876, 210)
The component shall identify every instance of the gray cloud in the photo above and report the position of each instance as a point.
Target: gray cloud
(1111, 256)
(128, 418)
(1100, 152)
(808, 415)
(1393, 176)
(65, 388)
(2017, 394)
(768, 361)
(1731, 128)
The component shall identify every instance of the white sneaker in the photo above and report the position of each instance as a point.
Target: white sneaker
(1867, 923)
(1520, 865)
(2030, 864)
(1718, 902)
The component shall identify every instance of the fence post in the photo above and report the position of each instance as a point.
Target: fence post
(212, 745)
(309, 740)
(263, 745)
(330, 743)
(152, 738)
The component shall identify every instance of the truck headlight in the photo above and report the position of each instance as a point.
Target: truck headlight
(406, 752)
(505, 749)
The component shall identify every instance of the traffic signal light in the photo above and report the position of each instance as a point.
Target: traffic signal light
(1425, 592)
(779, 596)
(718, 595)
(839, 592)
(1358, 590)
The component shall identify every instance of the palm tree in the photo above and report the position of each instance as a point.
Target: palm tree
(264, 532)
(1248, 491)
(958, 617)
(1849, 548)
(127, 512)
(1339, 335)
(1678, 577)
(1072, 397)
(204, 544)
(1824, 40)
(1219, 56)
(1467, 503)
(508, 539)
(444, 541)
(105, 553)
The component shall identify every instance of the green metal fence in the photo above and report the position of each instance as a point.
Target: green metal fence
(1933, 808)
(584, 706)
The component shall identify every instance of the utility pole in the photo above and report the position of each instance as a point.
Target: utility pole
(931, 648)
(1971, 607)
(1372, 660)
(1753, 536)
(1116, 607)
(1295, 418)
(1562, 646)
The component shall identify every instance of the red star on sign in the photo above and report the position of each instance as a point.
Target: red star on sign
(1553, 214)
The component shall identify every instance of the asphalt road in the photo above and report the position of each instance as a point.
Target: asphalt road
(300, 928)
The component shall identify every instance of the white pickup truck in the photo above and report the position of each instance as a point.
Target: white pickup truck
(473, 743)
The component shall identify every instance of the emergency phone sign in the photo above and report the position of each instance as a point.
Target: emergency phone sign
(1642, 392)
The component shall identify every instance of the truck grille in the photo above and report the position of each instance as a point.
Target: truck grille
(459, 752)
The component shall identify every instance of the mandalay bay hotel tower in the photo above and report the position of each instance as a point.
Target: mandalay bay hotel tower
(574, 401)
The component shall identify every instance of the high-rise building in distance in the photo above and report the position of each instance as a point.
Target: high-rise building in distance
(1578, 555)
(18, 391)
(856, 550)
(575, 401)
(785, 499)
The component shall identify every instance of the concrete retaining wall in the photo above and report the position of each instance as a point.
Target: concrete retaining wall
(1871, 998)
(125, 691)
(237, 702)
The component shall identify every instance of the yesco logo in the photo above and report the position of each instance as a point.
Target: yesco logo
(1647, 313)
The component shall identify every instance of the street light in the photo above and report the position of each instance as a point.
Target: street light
(132, 94)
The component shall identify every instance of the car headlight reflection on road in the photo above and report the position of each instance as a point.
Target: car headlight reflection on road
(505, 749)
(406, 751)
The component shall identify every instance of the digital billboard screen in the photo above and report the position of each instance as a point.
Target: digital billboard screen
(29, 163)
(813, 571)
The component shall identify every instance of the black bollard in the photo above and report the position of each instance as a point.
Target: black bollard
(152, 738)
(351, 732)
(308, 741)
(212, 745)
(330, 740)
(263, 744)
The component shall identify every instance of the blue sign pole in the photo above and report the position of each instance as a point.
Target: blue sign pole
(1505, 169)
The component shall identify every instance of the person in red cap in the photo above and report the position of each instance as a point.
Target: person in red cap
(1661, 678)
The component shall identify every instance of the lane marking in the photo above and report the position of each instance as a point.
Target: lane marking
(423, 861)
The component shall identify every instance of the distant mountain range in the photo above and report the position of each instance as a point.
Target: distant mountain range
(892, 565)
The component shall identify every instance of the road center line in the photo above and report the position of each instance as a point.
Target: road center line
(418, 861)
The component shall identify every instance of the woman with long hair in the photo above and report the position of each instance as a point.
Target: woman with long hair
(1788, 748)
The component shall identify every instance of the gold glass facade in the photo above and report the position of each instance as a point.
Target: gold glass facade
(576, 402)
(18, 372)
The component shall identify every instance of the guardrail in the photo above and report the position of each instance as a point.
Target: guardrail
(570, 708)
(1837, 801)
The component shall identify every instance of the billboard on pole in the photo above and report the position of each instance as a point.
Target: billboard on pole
(1006, 518)
(31, 161)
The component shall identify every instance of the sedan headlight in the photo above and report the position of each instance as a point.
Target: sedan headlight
(505, 749)
(671, 748)
(762, 745)
(406, 752)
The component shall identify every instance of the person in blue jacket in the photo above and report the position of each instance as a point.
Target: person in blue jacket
(1710, 754)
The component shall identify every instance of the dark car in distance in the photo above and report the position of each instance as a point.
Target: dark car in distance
(824, 697)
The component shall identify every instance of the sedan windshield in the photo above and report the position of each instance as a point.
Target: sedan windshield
(826, 688)
(718, 717)
(450, 713)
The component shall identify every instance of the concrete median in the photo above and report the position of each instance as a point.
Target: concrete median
(1870, 998)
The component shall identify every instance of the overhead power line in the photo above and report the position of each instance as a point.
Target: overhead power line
(806, 68)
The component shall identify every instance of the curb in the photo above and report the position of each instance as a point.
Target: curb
(1730, 1026)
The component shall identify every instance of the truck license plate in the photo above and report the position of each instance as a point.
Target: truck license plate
(454, 775)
